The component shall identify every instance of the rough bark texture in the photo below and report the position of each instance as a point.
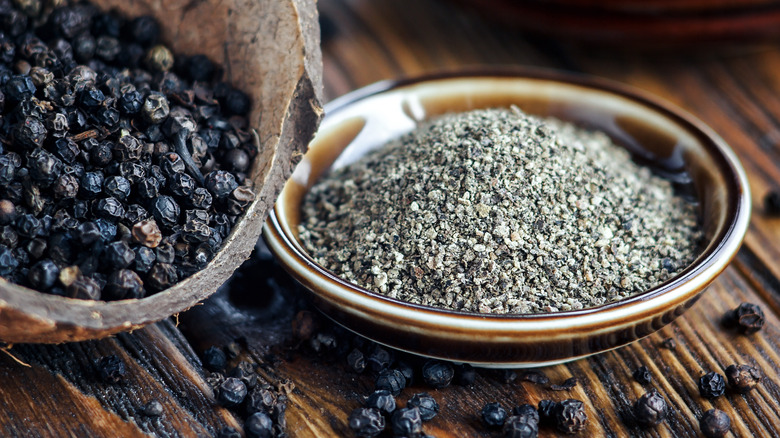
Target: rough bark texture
(270, 49)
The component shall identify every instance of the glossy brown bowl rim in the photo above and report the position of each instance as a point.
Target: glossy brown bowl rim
(731, 234)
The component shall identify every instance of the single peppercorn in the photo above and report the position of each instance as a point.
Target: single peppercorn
(181, 184)
(493, 415)
(109, 209)
(527, 412)
(123, 284)
(406, 422)
(712, 385)
(391, 380)
(166, 211)
(148, 188)
(220, 183)
(381, 400)
(66, 149)
(44, 167)
(159, 58)
(520, 427)
(642, 375)
(772, 203)
(19, 88)
(426, 404)
(101, 155)
(165, 253)
(715, 423)
(742, 378)
(259, 425)
(161, 276)
(43, 274)
(438, 374)
(27, 225)
(7, 212)
(111, 369)
(147, 233)
(356, 361)
(245, 371)
(155, 109)
(91, 185)
(366, 422)
(118, 255)
(214, 359)
(650, 409)
(144, 259)
(144, 30)
(117, 187)
(570, 416)
(231, 392)
(236, 102)
(747, 317)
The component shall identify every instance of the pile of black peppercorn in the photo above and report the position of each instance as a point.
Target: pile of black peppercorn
(122, 167)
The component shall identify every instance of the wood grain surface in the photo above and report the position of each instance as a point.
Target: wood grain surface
(733, 88)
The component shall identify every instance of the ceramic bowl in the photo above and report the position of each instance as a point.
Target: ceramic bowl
(675, 143)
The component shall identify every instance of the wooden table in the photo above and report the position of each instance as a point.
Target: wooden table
(55, 390)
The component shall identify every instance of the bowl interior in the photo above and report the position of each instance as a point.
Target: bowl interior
(654, 135)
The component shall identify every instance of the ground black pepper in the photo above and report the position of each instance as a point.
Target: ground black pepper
(85, 132)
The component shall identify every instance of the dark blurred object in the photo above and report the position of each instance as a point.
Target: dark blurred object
(642, 22)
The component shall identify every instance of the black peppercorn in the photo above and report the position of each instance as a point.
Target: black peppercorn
(130, 102)
(236, 102)
(8, 236)
(742, 378)
(91, 185)
(231, 392)
(245, 372)
(259, 425)
(144, 259)
(7, 212)
(28, 226)
(391, 380)
(117, 187)
(118, 255)
(8, 261)
(518, 427)
(19, 88)
(181, 184)
(134, 213)
(155, 109)
(570, 416)
(144, 30)
(772, 203)
(161, 276)
(166, 211)
(109, 209)
(171, 164)
(426, 404)
(642, 375)
(237, 160)
(200, 198)
(43, 274)
(7, 169)
(715, 423)
(101, 155)
(148, 188)
(650, 409)
(220, 183)
(366, 422)
(107, 229)
(527, 412)
(111, 369)
(91, 97)
(228, 432)
(493, 415)
(66, 187)
(123, 284)
(438, 374)
(381, 400)
(356, 360)
(712, 385)
(66, 149)
(747, 317)
(214, 359)
(107, 48)
(165, 253)
(406, 422)
(44, 167)
(132, 171)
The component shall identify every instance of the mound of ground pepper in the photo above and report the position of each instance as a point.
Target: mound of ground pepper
(495, 211)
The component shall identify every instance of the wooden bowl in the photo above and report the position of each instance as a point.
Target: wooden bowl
(678, 145)
(270, 49)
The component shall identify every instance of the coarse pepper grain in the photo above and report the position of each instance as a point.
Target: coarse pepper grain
(495, 211)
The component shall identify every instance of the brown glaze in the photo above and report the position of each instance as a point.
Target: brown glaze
(672, 141)
(270, 50)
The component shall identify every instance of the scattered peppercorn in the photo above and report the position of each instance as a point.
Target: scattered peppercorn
(570, 416)
(381, 400)
(567, 384)
(546, 411)
(259, 425)
(391, 380)
(520, 427)
(228, 432)
(111, 369)
(712, 385)
(493, 415)
(406, 422)
(642, 375)
(650, 409)
(715, 423)
(533, 376)
(426, 404)
(366, 422)
(379, 359)
(214, 359)
(747, 317)
(356, 360)
(772, 203)
(231, 392)
(742, 378)
(438, 374)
